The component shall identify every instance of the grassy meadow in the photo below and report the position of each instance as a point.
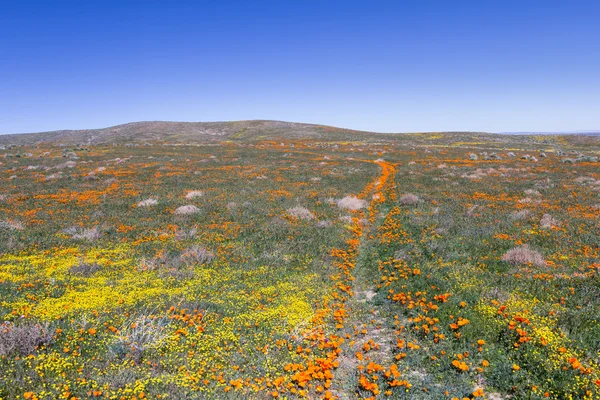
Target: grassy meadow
(418, 266)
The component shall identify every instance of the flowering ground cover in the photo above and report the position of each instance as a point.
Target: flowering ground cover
(351, 266)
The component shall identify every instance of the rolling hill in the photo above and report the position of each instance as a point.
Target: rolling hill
(257, 130)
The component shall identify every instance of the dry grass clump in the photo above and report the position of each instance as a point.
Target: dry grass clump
(163, 261)
(23, 339)
(89, 234)
(142, 333)
(409, 199)
(472, 211)
(300, 212)
(585, 179)
(177, 264)
(85, 269)
(11, 225)
(192, 194)
(529, 200)
(68, 164)
(196, 255)
(480, 173)
(520, 215)
(532, 192)
(523, 255)
(324, 224)
(182, 234)
(352, 203)
(187, 210)
(147, 203)
(346, 218)
(548, 221)
(52, 177)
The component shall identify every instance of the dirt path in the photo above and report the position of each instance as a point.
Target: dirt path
(369, 340)
(360, 342)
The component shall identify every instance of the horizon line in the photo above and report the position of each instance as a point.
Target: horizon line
(562, 132)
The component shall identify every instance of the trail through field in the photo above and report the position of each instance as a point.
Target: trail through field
(369, 337)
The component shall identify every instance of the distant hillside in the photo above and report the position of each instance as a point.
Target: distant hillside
(176, 132)
(215, 132)
(580, 132)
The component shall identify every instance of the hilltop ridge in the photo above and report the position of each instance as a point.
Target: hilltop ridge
(255, 130)
(170, 131)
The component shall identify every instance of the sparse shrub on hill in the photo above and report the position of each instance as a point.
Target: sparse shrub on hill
(409, 199)
(524, 255)
(352, 203)
(85, 269)
(532, 193)
(346, 219)
(183, 234)
(196, 255)
(187, 210)
(192, 194)
(147, 203)
(472, 211)
(88, 234)
(68, 164)
(300, 212)
(520, 215)
(139, 334)
(11, 225)
(24, 338)
(548, 221)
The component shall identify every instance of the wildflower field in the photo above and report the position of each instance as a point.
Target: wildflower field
(334, 265)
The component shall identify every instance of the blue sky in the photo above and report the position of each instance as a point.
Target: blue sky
(388, 66)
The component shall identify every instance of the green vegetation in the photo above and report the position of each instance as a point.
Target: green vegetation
(299, 261)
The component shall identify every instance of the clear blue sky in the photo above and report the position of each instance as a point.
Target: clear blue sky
(392, 66)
